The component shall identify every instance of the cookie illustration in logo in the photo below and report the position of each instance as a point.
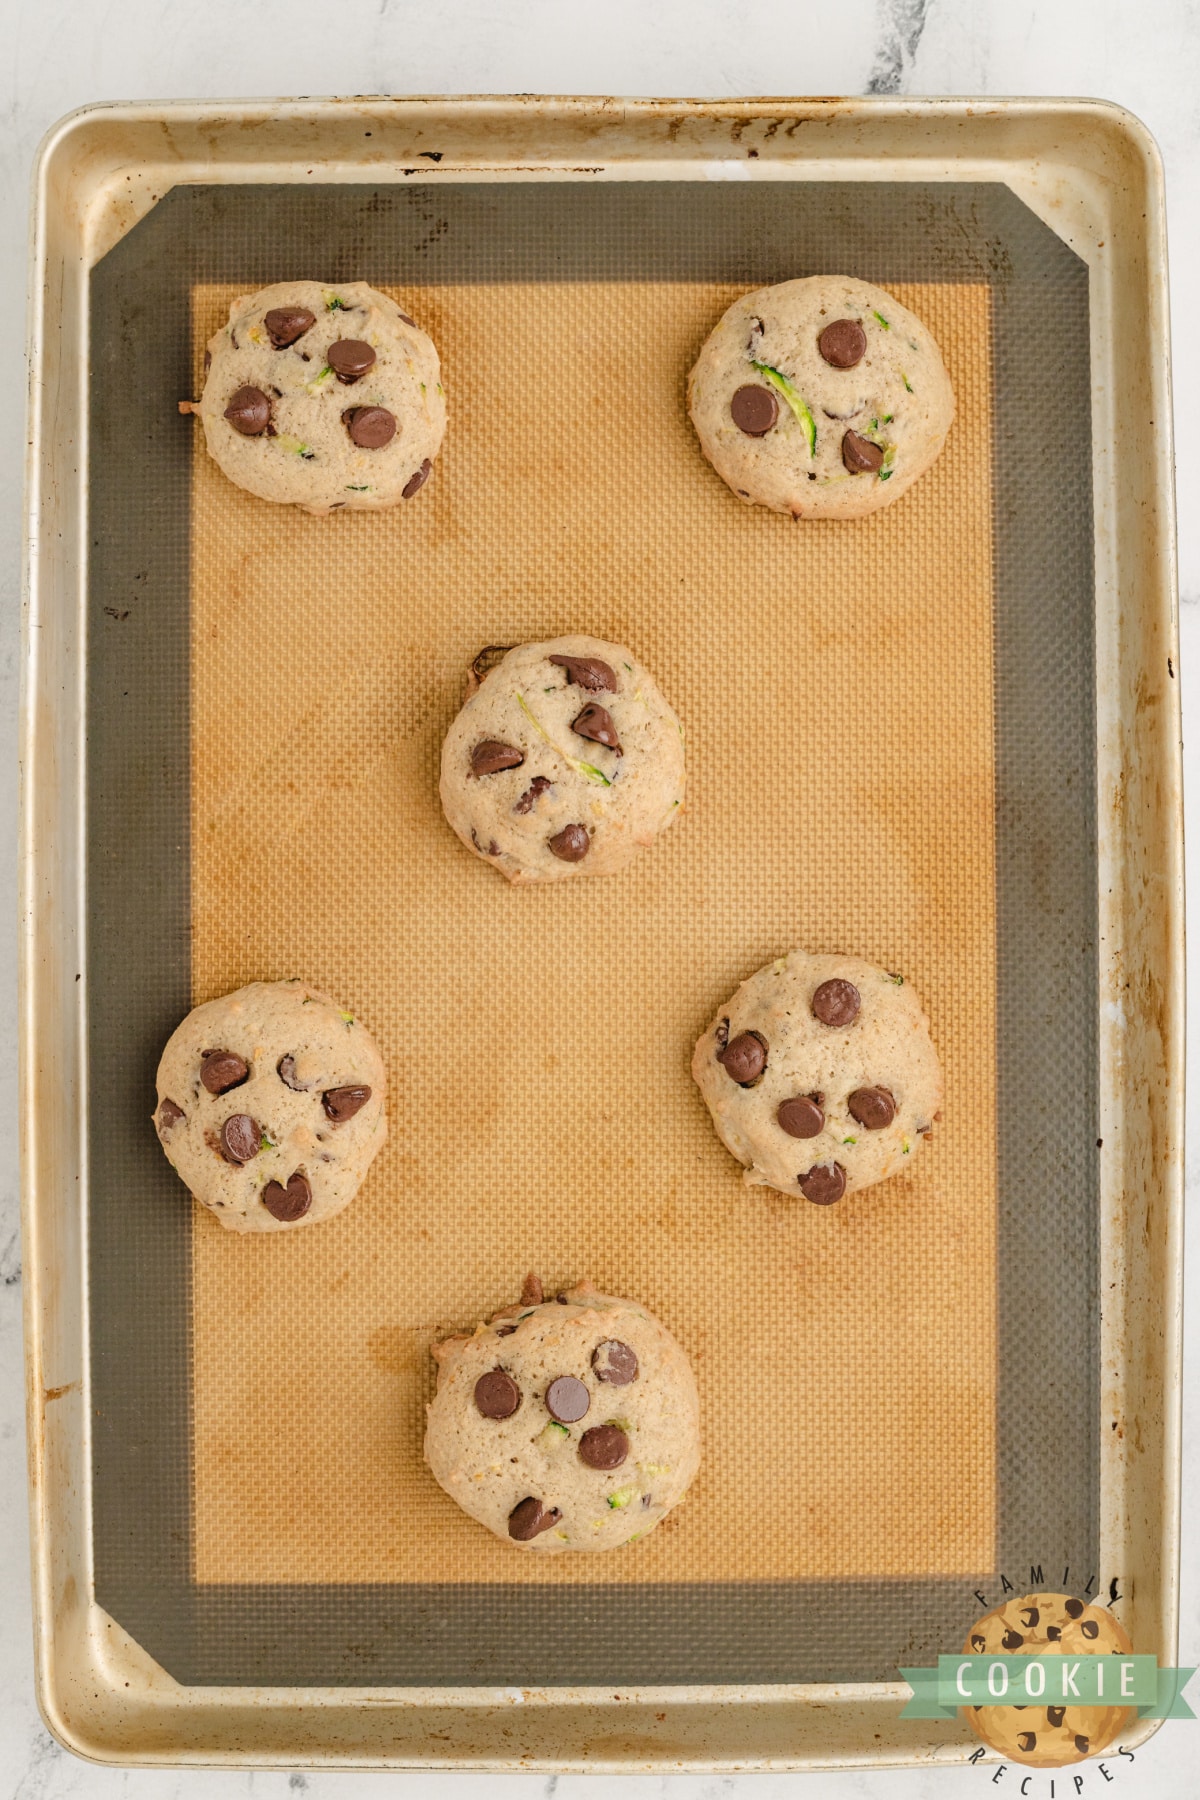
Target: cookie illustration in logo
(1045, 1625)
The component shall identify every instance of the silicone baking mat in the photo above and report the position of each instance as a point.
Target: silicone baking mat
(858, 699)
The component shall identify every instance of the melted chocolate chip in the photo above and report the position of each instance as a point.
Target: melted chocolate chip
(567, 1399)
(754, 409)
(221, 1070)
(505, 1330)
(405, 318)
(873, 1107)
(249, 411)
(570, 845)
(823, 1184)
(532, 794)
(287, 323)
(169, 1115)
(370, 427)
(529, 1518)
(615, 1362)
(341, 1103)
(497, 1395)
(1074, 1608)
(860, 455)
(1026, 1740)
(417, 480)
(241, 1138)
(490, 756)
(836, 1003)
(1055, 1715)
(350, 359)
(801, 1117)
(587, 672)
(286, 1070)
(604, 1447)
(287, 1204)
(843, 343)
(744, 1057)
(1012, 1640)
(532, 1292)
(491, 848)
(1090, 1628)
(596, 724)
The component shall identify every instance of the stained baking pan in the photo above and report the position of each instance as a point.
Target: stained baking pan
(946, 738)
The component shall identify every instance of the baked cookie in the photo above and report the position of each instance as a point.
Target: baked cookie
(323, 396)
(572, 1424)
(270, 1105)
(820, 1075)
(823, 398)
(1045, 1625)
(565, 760)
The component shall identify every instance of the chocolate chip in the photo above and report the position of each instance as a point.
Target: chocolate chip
(287, 1204)
(529, 1518)
(241, 1138)
(744, 1057)
(604, 1447)
(249, 411)
(169, 1115)
(754, 409)
(562, 1300)
(1012, 1640)
(505, 1330)
(1026, 1740)
(221, 1070)
(416, 480)
(1082, 1744)
(1074, 1608)
(1055, 1715)
(596, 724)
(1090, 1628)
(823, 1184)
(370, 427)
(285, 1068)
(342, 1103)
(801, 1117)
(570, 845)
(836, 1003)
(979, 1643)
(1029, 1616)
(350, 358)
(287, 323)
(497, 1395)
(567, 1399)
(532, 1292)
(489, 658)
(587, 672)
(873, 1107)
(860, 455)
(490, 756)
(207, 361)
(843, 343)
(490, 849)
(532, 794)
(1053, 1634)
(405, 318)
(615, 1362)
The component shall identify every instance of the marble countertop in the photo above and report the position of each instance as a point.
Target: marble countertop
(62, 53)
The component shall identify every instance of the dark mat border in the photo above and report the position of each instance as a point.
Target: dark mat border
(438, 1634)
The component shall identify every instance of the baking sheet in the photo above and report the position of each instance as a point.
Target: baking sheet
(855, 1382)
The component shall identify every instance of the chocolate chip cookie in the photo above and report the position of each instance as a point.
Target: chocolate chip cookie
(324, 397)
(821, 1076)
(1045, 1625)
(565, 760)
(569, 1424)
(823, 398)
(271, 1106)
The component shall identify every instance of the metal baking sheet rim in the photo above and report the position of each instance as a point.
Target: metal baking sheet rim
(1093, 173)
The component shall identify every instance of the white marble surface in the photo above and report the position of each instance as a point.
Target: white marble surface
(61, 53)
